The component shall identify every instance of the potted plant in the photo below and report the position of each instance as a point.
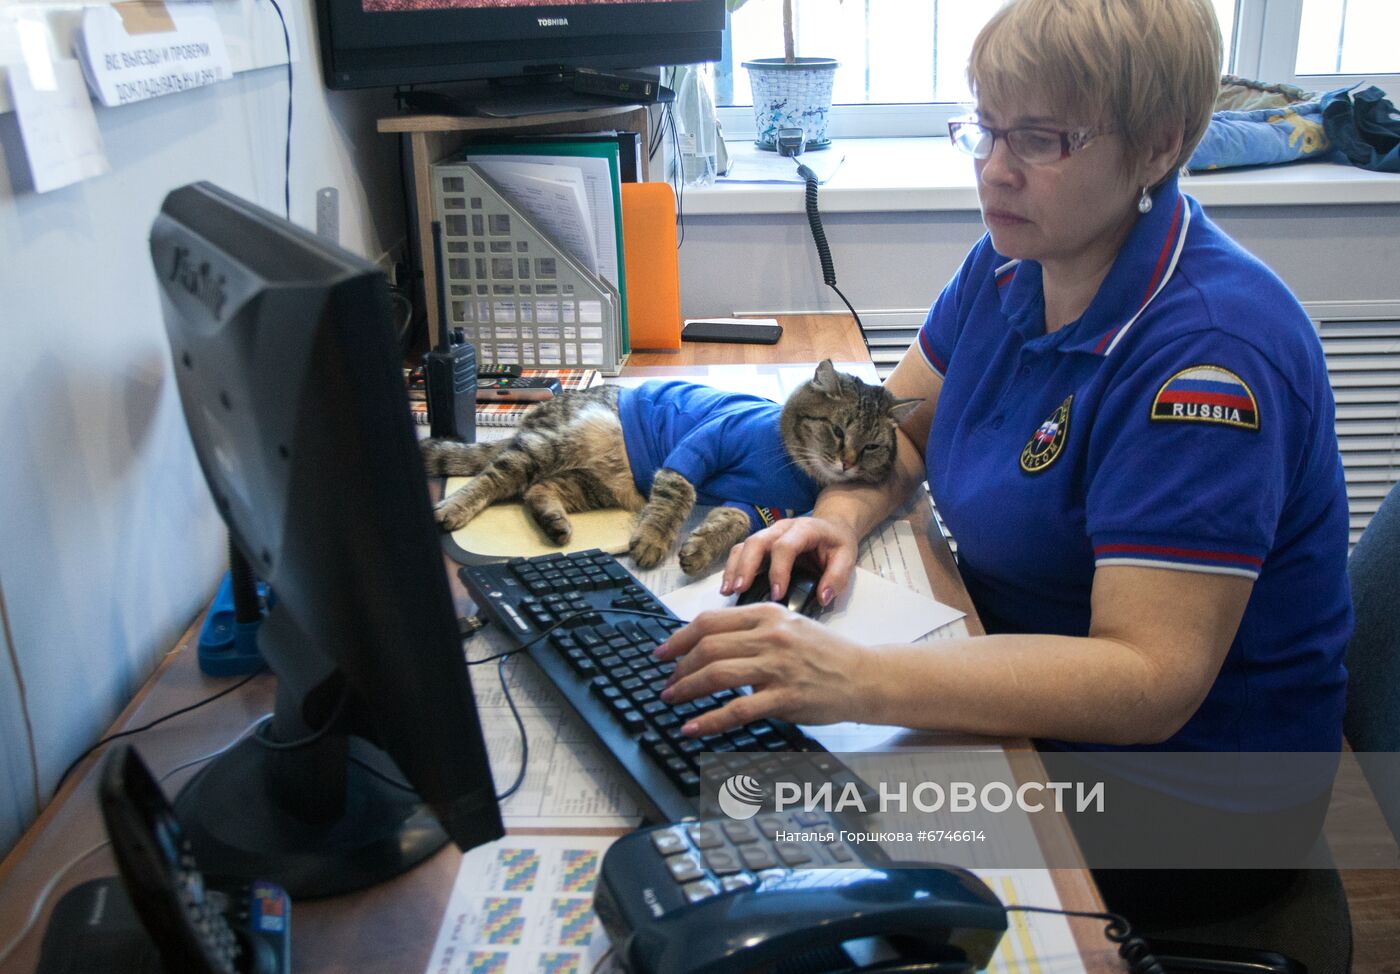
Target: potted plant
(790, 91)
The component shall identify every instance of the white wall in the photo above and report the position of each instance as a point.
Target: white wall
(109, 545)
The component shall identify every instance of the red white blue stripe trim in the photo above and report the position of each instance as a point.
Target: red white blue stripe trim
(1185, 559)
(1161, 274)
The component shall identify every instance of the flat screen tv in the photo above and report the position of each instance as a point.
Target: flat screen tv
(375, 43)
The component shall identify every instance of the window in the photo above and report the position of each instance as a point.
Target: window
(903, 61)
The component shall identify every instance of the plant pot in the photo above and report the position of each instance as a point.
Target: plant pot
(796, 95)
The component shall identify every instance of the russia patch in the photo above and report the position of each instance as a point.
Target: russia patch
(1206, 394)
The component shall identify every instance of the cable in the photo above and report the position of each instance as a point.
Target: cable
(23, 704)
(287, 167)
(1135, 951)
(814, 221)
(213, 754)
(159, 720)
(680, 179)
(524, 739)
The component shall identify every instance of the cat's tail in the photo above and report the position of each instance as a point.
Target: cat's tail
(452, 458)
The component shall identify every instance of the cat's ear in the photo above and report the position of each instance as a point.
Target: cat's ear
(827, 380)
(899, 408)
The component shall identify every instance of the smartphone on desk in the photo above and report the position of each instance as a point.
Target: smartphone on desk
(737, 330)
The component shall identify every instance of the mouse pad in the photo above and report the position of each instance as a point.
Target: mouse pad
(507, 531)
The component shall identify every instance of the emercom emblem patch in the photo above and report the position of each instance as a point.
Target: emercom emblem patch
(1048, 441)
(1206, 394)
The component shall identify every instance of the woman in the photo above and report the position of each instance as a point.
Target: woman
(1127, 426)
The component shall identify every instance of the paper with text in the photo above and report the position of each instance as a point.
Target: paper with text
(58, 126)
(553, 197)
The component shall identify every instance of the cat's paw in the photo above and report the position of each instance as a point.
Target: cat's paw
(648, 548)
(556, 527)
(453, 514)
(697, 555)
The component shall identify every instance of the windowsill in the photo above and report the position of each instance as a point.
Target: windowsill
(912, 174)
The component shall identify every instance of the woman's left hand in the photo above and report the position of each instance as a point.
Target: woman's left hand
(799, 670)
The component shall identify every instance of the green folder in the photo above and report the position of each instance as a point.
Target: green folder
(606, 147)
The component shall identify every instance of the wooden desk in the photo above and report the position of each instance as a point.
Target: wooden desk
(392, 927)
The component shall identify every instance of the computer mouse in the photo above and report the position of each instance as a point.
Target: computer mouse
(801, 596)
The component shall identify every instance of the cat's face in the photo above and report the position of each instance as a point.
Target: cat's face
(839, 429)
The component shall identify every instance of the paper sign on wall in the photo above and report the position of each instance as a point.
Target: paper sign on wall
(134, 51)
(57, 125)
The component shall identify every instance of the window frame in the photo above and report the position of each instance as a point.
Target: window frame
(1265, 48)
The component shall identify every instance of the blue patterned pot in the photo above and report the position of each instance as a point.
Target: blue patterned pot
(796, 95)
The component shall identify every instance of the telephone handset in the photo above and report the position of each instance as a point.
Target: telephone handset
(161, 916)
(721, 896)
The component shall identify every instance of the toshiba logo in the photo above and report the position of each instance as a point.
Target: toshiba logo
(552, 21)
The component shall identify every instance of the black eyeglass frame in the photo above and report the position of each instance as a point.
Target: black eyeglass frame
(1071, 140)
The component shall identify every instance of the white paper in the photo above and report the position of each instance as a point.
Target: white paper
(58, 126)
(871, 611)
(125, 68)
(554, 199)
(598, 189)
(525, 904)
(750, 164)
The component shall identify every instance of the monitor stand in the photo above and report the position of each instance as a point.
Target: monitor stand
(506, 99)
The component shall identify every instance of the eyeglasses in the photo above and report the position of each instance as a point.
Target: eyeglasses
(1031, 144)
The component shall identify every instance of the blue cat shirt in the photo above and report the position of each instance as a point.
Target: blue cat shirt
(1186, 422)
(726, 444)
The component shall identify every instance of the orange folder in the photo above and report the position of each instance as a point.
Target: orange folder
(651, 264)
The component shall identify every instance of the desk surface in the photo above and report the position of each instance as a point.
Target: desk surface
(392, 927)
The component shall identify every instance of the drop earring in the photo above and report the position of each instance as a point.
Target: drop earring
(1144, 202)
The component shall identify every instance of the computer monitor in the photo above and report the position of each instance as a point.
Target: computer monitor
(287, 369)
(367, 43)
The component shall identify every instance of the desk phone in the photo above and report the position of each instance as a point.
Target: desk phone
(161, 917)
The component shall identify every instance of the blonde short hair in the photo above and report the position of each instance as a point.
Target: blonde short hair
(1145, 67)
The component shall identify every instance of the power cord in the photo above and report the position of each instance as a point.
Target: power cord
(1135, 951)
(814, 221)
(287, 166)
(159, 720)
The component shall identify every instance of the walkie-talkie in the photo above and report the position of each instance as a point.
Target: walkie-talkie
(450, 371)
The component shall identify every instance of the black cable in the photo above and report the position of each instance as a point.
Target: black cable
(814, 221)
(524, 738)
(680, 181)
(159, 720)
(1135, 951)
(287, 167)
(505, 688)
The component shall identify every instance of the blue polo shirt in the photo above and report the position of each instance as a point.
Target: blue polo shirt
(1185, 421)
(726, 444)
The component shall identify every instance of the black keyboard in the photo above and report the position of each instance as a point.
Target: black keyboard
(591, 627)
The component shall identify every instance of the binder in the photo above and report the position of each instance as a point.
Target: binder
(603, 148)
(653, 268)
(517, 296)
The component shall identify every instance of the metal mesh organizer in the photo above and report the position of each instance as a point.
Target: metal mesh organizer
(519, 298)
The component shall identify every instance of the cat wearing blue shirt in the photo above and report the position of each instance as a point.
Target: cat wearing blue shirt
(663, 447)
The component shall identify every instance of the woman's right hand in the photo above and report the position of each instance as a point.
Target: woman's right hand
(832, 545)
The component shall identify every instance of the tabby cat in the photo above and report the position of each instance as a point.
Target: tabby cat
(663, 446)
